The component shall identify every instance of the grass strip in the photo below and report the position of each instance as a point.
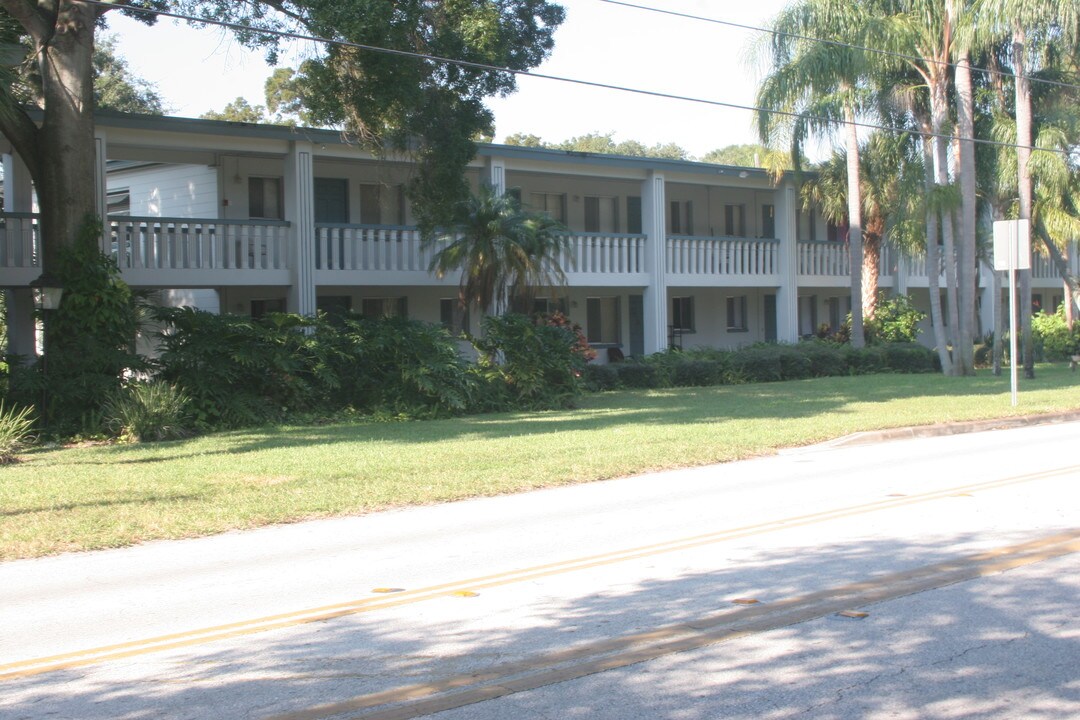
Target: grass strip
(92, 497)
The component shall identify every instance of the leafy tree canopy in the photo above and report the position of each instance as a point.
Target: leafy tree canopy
(239, 110)
(430, 108)
(117, 87)
(603, 143)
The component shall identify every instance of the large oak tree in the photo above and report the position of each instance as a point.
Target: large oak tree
(431, 108)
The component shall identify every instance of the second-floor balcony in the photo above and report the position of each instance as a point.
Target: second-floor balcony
(194, 252)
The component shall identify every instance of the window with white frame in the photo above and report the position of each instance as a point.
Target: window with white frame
(551, 204)
(601, 214)
(602, 320)
(546, 306)
(118, 201)
(266, 198)
(736, 314)
(370, 204)
(453, 316)
(384, 307)
(682, 313)
(680, 219)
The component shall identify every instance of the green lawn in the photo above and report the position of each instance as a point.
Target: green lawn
(113, 495)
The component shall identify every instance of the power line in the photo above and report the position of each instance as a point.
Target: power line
(556, 78)
(836, 43)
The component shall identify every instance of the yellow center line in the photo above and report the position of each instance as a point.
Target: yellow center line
(79, 658)
(412, 701)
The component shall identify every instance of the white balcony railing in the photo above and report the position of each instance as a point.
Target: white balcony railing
(824, 259)
(605, 254)
(723, 256)
(146, 243)
(400, 249)
(20, 243)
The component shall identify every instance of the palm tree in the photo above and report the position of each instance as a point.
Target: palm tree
(503, 252)
(815, 87)
(1031, 26)
(890, 192)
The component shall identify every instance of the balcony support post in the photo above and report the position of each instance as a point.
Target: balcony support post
(18, 197)
(300, 212)
(101, 188)
(496, 175)
(787, 295)
(654, 224)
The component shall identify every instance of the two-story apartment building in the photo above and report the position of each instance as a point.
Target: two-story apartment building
(249, 219)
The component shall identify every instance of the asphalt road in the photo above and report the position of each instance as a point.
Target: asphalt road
(922, 578)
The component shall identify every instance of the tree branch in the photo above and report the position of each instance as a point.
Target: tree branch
(29, 15)
(17, 127)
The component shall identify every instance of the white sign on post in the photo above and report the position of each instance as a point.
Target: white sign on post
(1008, 234)
(1012, 252)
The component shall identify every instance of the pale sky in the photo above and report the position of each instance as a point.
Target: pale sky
(199, 70)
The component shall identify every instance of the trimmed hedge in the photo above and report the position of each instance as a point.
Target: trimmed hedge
(762, 362)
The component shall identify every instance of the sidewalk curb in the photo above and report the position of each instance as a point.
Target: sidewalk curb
(941, 430)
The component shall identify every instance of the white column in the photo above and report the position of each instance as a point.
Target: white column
(101, 189)
(300, 212)
(496, 175)
(18, 190)
(654, 225)
(19, 197)
(787, 295)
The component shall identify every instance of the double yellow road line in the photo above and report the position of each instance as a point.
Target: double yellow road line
(64, 661)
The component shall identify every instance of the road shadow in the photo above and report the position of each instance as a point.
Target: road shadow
(1010, 641)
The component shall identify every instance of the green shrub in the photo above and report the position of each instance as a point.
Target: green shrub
(759, 363)
(15, 428)
(895, 321)
(531, 364)
(827, 359)
(236, 371)
(639, 375)
(89, 340)
(147, 412)
(867, 360)
(598, 378)
(910, 358)
(695, 372)
(1052, 338)
(402, 366)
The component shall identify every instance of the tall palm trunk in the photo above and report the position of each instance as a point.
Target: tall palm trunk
(855, 235)
(871, 266)
(1023, 158)
(965, 112)
(933, 263)
(940, 113)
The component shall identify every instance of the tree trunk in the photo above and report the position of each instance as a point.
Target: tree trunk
(965, 111)
(855, 235)
(60, 156)
(933, 263)
(871, 268)
(940, 110)
(1023, 157)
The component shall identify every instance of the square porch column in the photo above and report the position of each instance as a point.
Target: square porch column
(654, 225)
(101, 187)
(19, 197)
(300, 212)
(496, 175)
(787, 294)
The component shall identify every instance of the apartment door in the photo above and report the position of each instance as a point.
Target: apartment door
(770, 318)
(331, 206)
(637, 325)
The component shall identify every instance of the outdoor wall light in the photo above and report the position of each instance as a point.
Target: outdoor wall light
(48, 291)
